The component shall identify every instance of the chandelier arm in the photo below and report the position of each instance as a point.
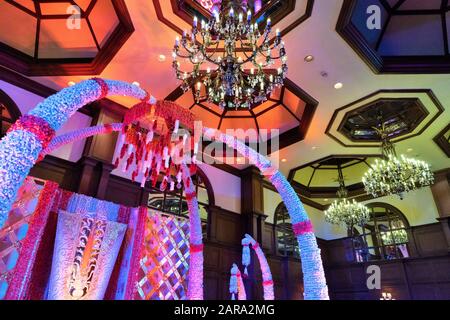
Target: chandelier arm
(214, 52)
(182, 56)
(203, 51)
(205, 55)
(249, 58)
(187, 49)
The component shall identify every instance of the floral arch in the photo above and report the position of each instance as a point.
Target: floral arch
(32, 133)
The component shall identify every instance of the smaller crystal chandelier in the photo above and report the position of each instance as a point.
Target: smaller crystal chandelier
(395, 175)
(241, 73)
(345, 212)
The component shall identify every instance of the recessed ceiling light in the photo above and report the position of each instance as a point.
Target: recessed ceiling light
(315, 148)
(284, 160)
(410, 150)
(309, 58)
(338, 86)
(162, 58)
(326, 200)
(137, 84)
(71, 83)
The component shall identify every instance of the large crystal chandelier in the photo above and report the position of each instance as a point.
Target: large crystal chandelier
(345, 212)
(230, 62)
(395, 175)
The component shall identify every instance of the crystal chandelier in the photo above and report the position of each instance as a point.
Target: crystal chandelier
(395, 175)
(345, 212)
(242, 73)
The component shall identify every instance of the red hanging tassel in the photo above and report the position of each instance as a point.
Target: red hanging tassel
(124, 150)
(192, 169)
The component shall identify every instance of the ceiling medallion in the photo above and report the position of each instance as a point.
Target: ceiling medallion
(395, 175)
(345, 212)
(242, 73)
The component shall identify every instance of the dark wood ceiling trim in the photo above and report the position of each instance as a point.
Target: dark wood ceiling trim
(428, 92)
(25, 83)
(12, 107)
(391, 64)
(41, 90)
(20, 7)
(179, 11)
(442, 142)
(417, 103)
(26, 65)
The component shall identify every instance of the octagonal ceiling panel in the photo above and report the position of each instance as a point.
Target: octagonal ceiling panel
(49, 38)
(319, 179)
(414, 35)
(404, 113)
(285, 14)
(289, 109)
(443, 140)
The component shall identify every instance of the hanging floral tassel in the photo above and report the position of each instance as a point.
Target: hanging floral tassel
(234, 282)
(245, 255)
(179, 176)
(177, 126)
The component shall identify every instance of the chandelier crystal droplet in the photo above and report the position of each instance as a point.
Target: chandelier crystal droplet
(231, 63)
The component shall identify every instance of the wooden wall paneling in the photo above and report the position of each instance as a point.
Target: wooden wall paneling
(268, 239)
(102, 190)
(430, 240)
(429, 278)
(90, 173)
(212, 290)
(339, 251)
(441, 191)
(123, 191)
(63, 172)
(103, 146)
(225, 227)
(252, 202)
(211, 256)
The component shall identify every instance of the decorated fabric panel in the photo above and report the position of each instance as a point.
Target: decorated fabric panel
(85, 252)
(28, 277)
(165, 261)
(14, 231)
(99, 209)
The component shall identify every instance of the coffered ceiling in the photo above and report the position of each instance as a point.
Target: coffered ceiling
(146, 58)
(412, 36)
(61, 37)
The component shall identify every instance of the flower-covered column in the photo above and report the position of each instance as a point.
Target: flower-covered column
(20, 148)
(265, 269)
(195, 276)
(315, 286)
(237, 284)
